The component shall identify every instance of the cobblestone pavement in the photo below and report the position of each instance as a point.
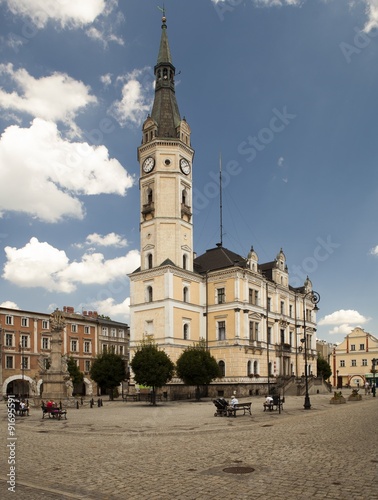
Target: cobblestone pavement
(179, 450)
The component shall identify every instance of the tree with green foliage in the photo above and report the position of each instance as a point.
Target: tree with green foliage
(323, 368)
(108, 371)
(196, 366)
(76, 375)
(152, 367)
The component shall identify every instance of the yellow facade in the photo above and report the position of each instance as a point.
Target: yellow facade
(352, 359)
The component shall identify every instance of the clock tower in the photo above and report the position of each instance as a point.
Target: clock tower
(165, 157)
(165, 292)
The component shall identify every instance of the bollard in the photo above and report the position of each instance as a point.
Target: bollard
(60, 405)
(102, 404)
(99, 403)
(77, 405)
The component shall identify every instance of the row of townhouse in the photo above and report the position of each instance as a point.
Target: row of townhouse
(25, 346)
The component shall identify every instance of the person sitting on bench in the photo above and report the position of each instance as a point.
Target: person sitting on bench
(234, 401)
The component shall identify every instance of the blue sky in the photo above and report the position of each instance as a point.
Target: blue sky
(284, 90)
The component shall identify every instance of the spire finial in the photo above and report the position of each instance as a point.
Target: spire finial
(163, 19)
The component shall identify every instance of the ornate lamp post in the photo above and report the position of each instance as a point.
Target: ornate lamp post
(337, 379)
(314, 298)
(373, 369)
(21, 350)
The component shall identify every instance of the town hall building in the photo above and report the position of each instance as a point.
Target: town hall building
(246, 312)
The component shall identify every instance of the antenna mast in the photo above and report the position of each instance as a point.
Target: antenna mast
(220, 199)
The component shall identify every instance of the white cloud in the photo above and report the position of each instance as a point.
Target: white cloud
(109, 240)
(343, 320)
(343, 329)
(372, 14)
(94, 269)
(374, 251)
(9, 305)
(42, 174)
(280, 161)
(136, 100)
(278, 3)
(108, 307)
(106, 80)
(42, 98)
(343, 316)
(67, 13)
(38, 264)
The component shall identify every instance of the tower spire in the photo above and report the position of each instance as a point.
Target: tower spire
(165, 111)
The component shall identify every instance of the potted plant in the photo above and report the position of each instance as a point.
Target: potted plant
(337, 398)
(355, 396)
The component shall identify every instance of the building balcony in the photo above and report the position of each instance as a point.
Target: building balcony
(148, 208)
(185, 210)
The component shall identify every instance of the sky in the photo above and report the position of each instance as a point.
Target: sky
(283, 91)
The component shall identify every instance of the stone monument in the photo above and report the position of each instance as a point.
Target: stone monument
(56, 378)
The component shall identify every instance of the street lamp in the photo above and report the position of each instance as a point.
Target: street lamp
(373, 369)
(21, 350)
(337, 379)
(314, 298)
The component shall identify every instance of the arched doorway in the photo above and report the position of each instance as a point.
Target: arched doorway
(23, 387)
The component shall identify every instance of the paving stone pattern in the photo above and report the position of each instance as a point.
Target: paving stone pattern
(179, 450)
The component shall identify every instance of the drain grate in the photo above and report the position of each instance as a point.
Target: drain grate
(238, 470)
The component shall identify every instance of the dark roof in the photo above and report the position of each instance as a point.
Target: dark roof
(218, 258)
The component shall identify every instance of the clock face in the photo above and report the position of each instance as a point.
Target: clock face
(148, 164)
(185, 166)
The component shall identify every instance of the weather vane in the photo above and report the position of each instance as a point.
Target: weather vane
(162, 9)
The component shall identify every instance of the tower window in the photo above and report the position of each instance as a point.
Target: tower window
(184, 261)
(149, 294)
(184, 197)
(185, 294)
(149, 195)
(149, 261)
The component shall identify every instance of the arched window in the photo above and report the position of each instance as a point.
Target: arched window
(149, 294)
(149, 261)
(184, 197)
(255, 368)
(222, 368)
(185, 294)
(184, 261)
(249, 368)
(186, 331)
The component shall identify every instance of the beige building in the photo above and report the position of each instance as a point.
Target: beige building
(251, 319)
(25, 350)
(352, 359)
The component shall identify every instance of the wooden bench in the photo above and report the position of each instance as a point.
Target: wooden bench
(245, 407)
(276, 404)
(56, 413)
(131, 397)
